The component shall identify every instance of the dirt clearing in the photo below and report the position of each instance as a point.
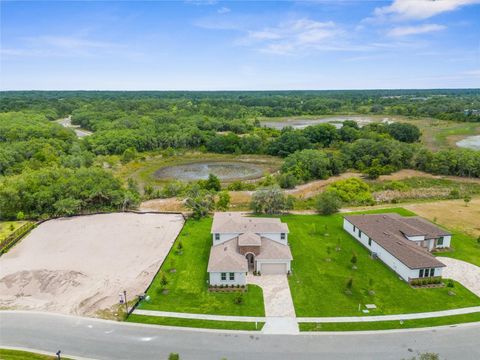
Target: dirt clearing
(79, 265)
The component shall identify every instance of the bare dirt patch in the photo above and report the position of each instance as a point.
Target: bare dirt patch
(452, 214)
(79, 265)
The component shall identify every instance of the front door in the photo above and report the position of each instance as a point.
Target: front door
(251, 260)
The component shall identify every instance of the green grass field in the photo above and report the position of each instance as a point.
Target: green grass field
(387, 325)
(318, 285)
(6, 354)
(206, 324)
(187, 287)
(7, 227)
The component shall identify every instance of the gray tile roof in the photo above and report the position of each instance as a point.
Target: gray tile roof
(233, 222)
(388, 230)
(272, 250)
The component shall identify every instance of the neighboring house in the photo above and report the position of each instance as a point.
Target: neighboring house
(402, 243)
(242, 244)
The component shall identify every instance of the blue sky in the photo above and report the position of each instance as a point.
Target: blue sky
(233, 45)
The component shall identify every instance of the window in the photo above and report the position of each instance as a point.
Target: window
(223, 276)
(369, 242)
(217, 237)
(440, 241)
(282, 236)
(432, 272)
(421, 273)
(232, 276)
(359, 233)
(354, 228)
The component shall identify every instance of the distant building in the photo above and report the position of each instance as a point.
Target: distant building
(402, 243)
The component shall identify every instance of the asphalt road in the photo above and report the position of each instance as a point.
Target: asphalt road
(100, 339)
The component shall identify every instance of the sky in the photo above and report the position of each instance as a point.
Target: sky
(235, 45)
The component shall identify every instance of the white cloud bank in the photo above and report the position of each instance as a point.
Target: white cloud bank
(420, 9)
(401, 31)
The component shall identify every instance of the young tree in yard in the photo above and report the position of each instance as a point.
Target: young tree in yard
(328, 203)
(354, 260)
(467, 199)
(173, 356)
(223, 201)
(270, 201)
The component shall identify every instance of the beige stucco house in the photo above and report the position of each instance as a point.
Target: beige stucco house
(242, 244)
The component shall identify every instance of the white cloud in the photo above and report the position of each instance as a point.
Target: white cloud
(293, 36)
(414, 30)
(223, 10)
(420, 9)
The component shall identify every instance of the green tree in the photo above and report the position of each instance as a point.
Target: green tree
(129, 155)
(223, 201)
(270, 200)
(213, 183)
(328, 202)
(200, 202)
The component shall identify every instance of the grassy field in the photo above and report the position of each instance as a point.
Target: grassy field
(6, 354)
(387, 325)
(142, 170)
(7, 227)
(206, 324)
(320, 274)
(187, 287)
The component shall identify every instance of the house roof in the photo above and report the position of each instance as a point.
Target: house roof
(224, 257)
(272, 250)
(249, 239)
(387, 231)
(234, 222)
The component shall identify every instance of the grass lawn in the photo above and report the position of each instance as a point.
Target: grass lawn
(318, 285)
(7, 227)
(187, 287)
(386, 325)
(464, 248)
(207, 324)
(6, 354)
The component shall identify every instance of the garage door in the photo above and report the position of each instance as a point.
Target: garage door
(274, 268)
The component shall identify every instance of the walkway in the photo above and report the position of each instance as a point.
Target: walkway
(373, 318)
(465, 273)
(425, 315)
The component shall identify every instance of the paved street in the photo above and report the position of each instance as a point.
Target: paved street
(101, 339)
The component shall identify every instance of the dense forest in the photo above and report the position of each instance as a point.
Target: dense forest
(46, 170)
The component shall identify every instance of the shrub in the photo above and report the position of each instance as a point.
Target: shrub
(287, 181)
(328, 203)
(270, 201)
(353, 191)
(450, 283)
(163, 280)
(238, 300)
(173, 356)
(223, 201)
(354, 259)
(350, 284)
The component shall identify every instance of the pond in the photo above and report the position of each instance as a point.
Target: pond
(471, 142)
(334, 120)
(225, 170)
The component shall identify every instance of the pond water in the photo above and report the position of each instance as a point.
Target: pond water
(334, 120)
(471, 142)
(225, 170)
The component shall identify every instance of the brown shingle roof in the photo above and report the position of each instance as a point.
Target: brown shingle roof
(272, 250)
(249, 239)
(387, 231)
(224, 257)
(231, 222)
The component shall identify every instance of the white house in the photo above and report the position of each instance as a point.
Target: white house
(402, 243)
(242, 244)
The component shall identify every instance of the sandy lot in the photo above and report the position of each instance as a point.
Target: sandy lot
(80, 265)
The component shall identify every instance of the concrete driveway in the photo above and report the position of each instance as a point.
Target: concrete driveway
(276, 294)
(278, 301)
(465, 273)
